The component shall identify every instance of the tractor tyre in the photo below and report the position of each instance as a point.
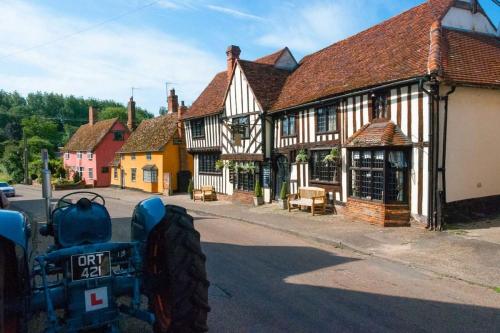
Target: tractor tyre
(9, 287)
(178, 279)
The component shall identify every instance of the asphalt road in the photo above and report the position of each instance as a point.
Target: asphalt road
(266, 281)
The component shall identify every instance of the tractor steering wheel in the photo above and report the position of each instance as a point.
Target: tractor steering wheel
(91, 196)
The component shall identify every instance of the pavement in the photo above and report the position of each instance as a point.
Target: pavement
(468, 252)
(274, 271)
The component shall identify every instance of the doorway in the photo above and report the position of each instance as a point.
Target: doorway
(282, 174)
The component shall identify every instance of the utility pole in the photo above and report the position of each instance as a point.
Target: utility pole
(133, 88)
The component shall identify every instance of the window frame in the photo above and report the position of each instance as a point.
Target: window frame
(79, 155)
(285, 123)
(105, 169)
(90, 173)
(133, 175)
(202, 170)
(115, 172)
(90, 155)
(311, 167)
(375, 99)
(116, 136)
(384, 170)
(66, 156)
(245, 134)
(329, 107)
(150, 176)
(132, 156)
(149, 156)
(198, 128)
(81, 171)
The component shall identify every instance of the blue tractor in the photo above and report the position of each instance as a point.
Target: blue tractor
(86, 282)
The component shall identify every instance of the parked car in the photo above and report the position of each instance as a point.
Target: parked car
(7, 189)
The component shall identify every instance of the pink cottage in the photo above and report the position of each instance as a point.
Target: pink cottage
(92, 148)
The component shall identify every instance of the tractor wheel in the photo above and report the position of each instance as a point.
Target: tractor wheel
(176, 265)
(9, 286)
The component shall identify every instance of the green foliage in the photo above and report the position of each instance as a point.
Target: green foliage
(283, 191)
(332, 156)
(121, 113)
(301, 156)
(162, 111)
(258, 189)
(219, 165)
(191, 188)
(12, 162)
(76, 177)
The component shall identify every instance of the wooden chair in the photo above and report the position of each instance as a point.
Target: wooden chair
(314, 197)
(206, 193)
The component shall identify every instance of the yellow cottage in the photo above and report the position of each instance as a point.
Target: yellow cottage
(154, 158)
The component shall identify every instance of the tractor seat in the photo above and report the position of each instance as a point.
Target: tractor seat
(85, 222)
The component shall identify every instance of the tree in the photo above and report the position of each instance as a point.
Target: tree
(13, 131)
(121, 113)
(162, 111)
(36, 144)
(13, 162)
(43, 128)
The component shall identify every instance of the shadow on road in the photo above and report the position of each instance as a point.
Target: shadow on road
(250, 293)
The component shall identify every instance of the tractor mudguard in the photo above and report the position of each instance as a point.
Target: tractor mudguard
(147, 214)
(15, 227)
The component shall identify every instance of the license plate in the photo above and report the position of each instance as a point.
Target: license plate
(90, 265)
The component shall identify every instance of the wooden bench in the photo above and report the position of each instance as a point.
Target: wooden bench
(206, 193)
(314, 197)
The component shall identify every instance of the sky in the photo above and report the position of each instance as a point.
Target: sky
(103, 48)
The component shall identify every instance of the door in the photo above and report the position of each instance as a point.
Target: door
(282, 174)
(122, 178)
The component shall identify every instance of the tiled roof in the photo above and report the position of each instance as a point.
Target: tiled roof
(378, 133)
(210, 100)
(393, 50)
(471, 58)
(265, 80)
(87, 137)
(151, 134)
(272, 58)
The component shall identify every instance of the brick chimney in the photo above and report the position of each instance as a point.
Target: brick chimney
(232, 53)
(181, 111)
(173, 102)
(92, 115)
(131, 114)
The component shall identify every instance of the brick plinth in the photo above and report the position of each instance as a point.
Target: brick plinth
(243, 197)
(378, 213)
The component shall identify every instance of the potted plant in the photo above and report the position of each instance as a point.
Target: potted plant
(282, 201)
(191, 188)
(219, 165)
(332, 157)
(301, 156)
(258, 199)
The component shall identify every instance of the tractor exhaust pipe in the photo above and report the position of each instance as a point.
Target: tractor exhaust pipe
(46, 185)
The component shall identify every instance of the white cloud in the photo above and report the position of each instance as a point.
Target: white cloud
(103, 62)
(234, 12)
(318, 24)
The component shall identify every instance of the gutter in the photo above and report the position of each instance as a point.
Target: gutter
(353, 93)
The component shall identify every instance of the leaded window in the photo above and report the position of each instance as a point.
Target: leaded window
(288, 125)
(198, 128)
(379, 105)
(379, 175)
(326, 119)
(206, 163)
(245, 181)
(321, 170)
(241, 125)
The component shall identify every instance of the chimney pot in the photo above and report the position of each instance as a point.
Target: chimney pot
(92, 115)
(233, 53)
(173, 103)
(131, 114)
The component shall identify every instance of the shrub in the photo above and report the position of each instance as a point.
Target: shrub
(191, 188)
(301, 156)
(283, 191)
(258, 189)
(76, 177)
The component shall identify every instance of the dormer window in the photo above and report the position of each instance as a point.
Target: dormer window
(379, 105)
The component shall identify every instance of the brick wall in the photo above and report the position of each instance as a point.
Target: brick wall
(243, 197)
(378, 213)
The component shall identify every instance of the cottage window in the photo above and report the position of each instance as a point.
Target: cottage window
(245, 181)
(241, 125)
(206, 163)
(118, 136)
(150, 176)
(66, 156)
(379, 105)
(79, 155)
(323, 171)
(91, 173)
(148, 156)
(326, 119)
(90, 156)
(198, 128)
(288, 125)
(133, 174)
(105, 170)
(80, 171)
(132, 156)
(115, 173)
(379, 175)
